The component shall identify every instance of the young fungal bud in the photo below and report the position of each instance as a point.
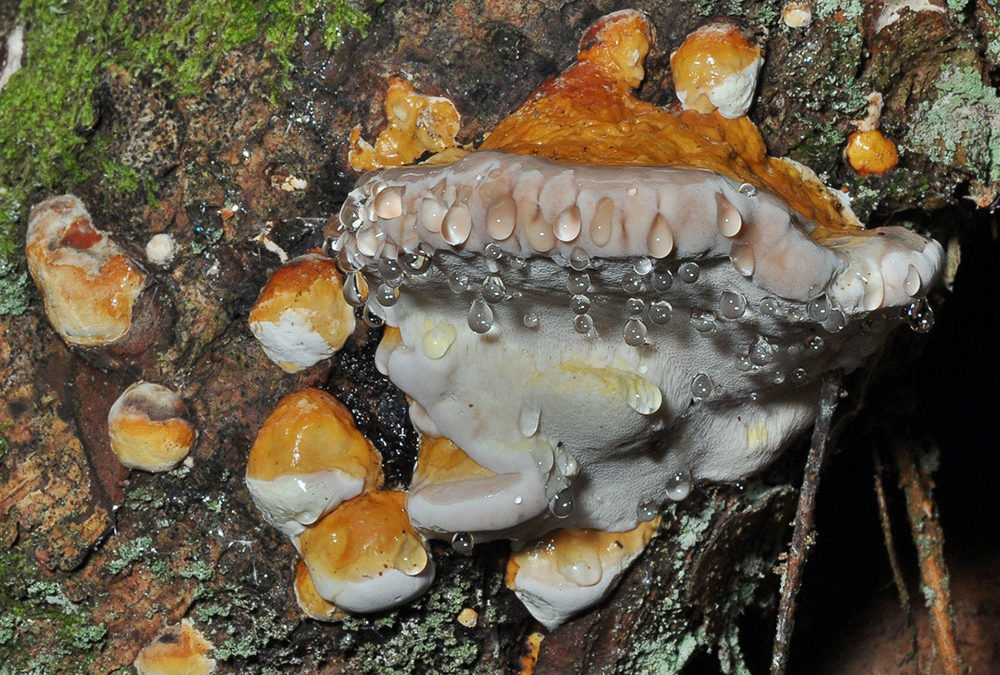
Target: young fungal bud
(364, 556)
(308, 458)
(715, 69)
(180, 649)
(149, 428)
(88, 283)
(301, 316)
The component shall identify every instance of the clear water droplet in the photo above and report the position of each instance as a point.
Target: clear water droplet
(702, 386)
(643, 396)
(493, 289)
(579, 259)
(578, 282)
(462, 543)
(330, 247)
(371, 319)
(438, 340)
(659, 312)
(530, 320)
(688, 272)
(583, 324)
(679, 486)
(815, 343)
(646, 512)
(634, 306)
(415, 263)
(748, 190)
(634, 333)
(732, 305)
(390, 270)
(819, 308)
(779, 377)
(529, 418)
(799, 375)
(579, 304)
(770, 307)
(517, 262)
(702, 320)
(743, 364)
(356, 289)
(919, 316)
(561, 505)
(386, 295)
(912, 283)
(480, 316)
(631, 282)
(643, 266)
(458, 282)
(836, 322)
(493, 250)
(761, 351)
(661, 281)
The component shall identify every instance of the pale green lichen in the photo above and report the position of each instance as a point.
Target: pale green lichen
(960, 126)
(849, 9)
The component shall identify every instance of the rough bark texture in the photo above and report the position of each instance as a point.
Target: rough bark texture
(95, 560)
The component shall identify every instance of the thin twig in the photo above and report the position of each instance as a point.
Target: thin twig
(890, 549)
(916, 482)
(802, 535)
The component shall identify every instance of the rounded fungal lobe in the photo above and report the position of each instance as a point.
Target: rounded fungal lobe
(89, 285)
(179, 649)
(716, 69)
(364, 556)
(308, 458)
(149, 428)
(310, 601)
(301, 316)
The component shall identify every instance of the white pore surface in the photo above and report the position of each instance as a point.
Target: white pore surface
(290, 503)
(385, 590)
(292, 342)
(713, 394)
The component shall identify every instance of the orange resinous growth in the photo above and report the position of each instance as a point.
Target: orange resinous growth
(589, 115)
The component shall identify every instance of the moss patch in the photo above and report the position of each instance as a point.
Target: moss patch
(47, 112)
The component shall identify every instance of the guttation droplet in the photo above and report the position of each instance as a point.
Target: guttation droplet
(815, 343)
(770, 307)
(659, 312)
(732, 305)
(583, 324)
(463, 543)
(390, 270)
(561, 505)
(631, 282)
(646, 512)
(492, 250)
(748, 190)
(688, 272)
(799, 375)
(386, 295)
(836, 322)
(643, 396)
(529, 418)
(679, 486)
(761, 351)
(819, 308)
(634, 306)
(356, 289)
(578, 282)
(634, 333)
(661, 281)
(457, 282)
(702, 320)
(579, 304)
(371, 319)
(643, 266)
(480, 316)
(919, 316)
(415, 263)
(701, 386)
(530, 320)
(493, 289)
(579, 259)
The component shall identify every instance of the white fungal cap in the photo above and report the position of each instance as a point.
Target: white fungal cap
(593, 327)
(570, 570)
(716, 68)
(300, 317)
(308, 457)
(149, 429)
(364, 556)
(89, 284)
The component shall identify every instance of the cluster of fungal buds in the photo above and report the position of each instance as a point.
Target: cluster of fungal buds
(317, 479)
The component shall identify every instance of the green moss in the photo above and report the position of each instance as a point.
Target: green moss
(47, 108)
(960, 127)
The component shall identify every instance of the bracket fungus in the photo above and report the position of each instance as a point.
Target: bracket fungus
(608, 303)
(89, 284)
(149, 427)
